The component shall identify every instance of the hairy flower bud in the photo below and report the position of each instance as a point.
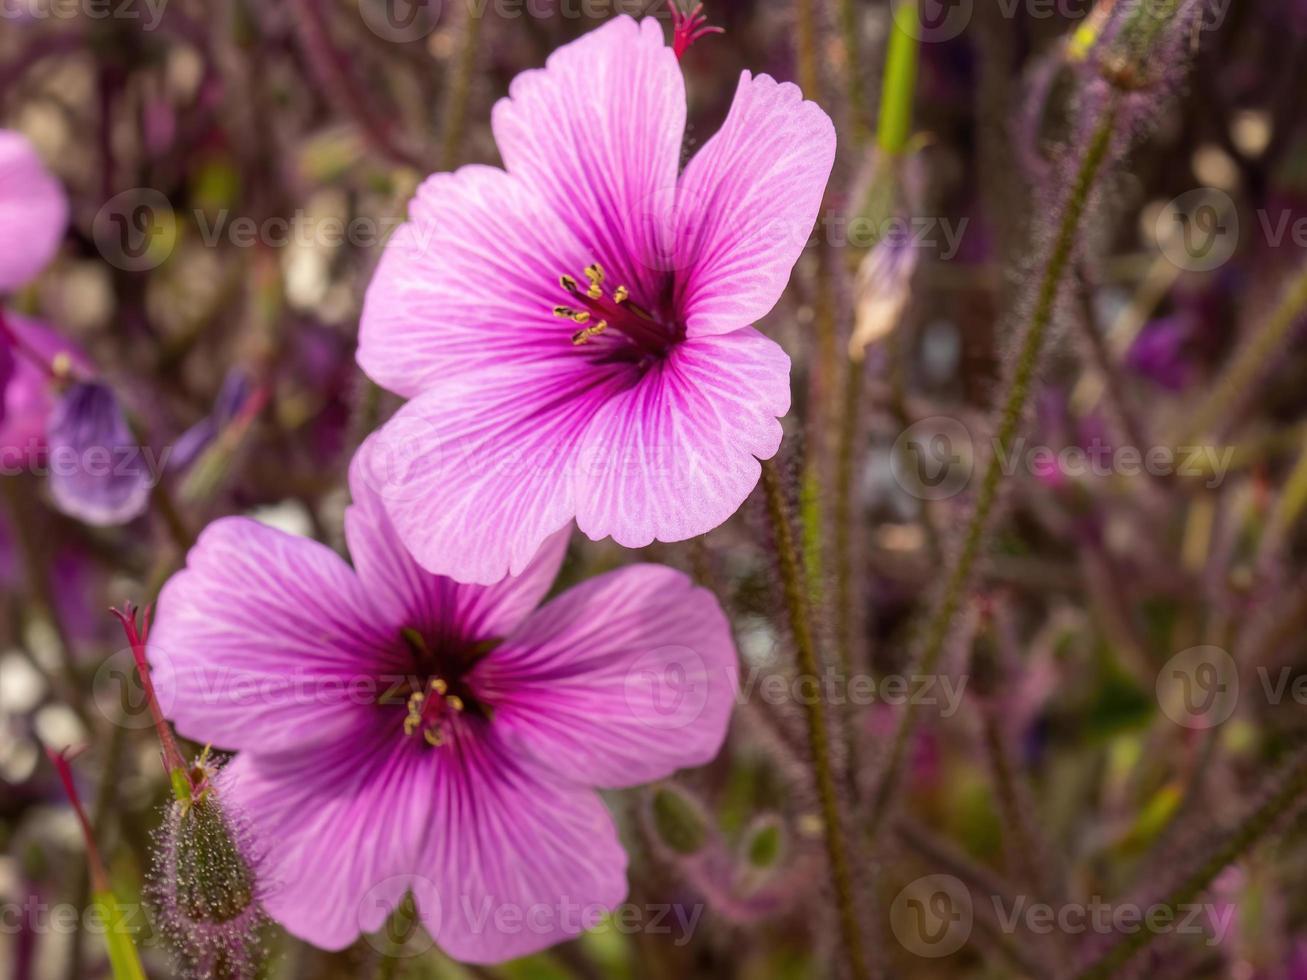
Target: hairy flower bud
(205, 888)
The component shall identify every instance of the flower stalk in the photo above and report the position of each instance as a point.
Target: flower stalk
(174, 763)
(123, 958)
(940, 623)
(894, 126)
(819, 741)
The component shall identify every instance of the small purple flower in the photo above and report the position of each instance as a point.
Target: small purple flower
(574, 331)
(33, 212)
(399, 731)
(98, 473)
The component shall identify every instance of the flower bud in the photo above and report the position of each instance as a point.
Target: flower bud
(881, 292)
(205, 888)
(764, 844)
(678, 821)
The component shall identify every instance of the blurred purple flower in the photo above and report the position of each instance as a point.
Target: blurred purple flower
(398, 730)
(232, 395)
(1159, 352)
(33, 212)
(98, 473)
(574, 331)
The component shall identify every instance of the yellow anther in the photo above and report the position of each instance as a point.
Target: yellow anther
(595, 273)
(621, 294)
(439, 686)
(454, 702)
(569, 283)
(567, 313)
(434, 737)
(582, 336)
(414, 713)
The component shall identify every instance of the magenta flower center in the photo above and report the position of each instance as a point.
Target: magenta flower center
(614, 324)
(438, 696)
(430, 711)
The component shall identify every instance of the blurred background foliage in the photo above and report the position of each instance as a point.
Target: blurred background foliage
(260, 152)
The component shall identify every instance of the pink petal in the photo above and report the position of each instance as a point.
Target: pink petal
(519, 863)
(747, 203)
(597, 133)
(266, 640)
(431, 603)
(33, 212)
(477, 476)
(28, 396)
(621, 680)
(468, 284)
(675, 455)
(337, 831)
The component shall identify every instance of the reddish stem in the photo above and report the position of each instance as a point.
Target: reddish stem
(99, 877)
(173, 760)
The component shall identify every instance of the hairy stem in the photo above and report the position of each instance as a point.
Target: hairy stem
(796, 601)
(940, 622)
(1238, 379)
(458, 87)
(848, 13)
(1256, 825)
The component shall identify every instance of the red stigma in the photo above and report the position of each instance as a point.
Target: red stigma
(688, 26)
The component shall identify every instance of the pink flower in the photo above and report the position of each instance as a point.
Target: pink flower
(574, 331)
(33, 212)
(399, 731)
(31, 348)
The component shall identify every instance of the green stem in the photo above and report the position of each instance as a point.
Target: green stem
(900, 81)
(940, 623)
(1239, 378)
(1254, 827)
(796, 601)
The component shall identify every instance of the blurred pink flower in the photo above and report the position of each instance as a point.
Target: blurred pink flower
(399, 731)
(32, 348)
(33, 212)
(575, 331)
